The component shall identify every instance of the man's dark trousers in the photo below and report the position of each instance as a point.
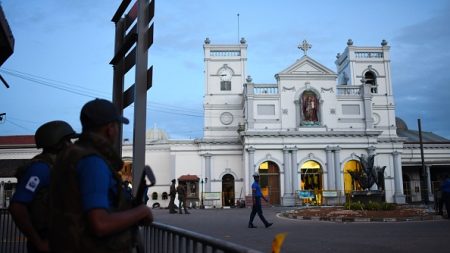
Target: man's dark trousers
(257, 209)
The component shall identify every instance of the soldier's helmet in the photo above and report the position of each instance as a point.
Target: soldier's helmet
(51, 133)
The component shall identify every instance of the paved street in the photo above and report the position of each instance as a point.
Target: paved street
(314, 236)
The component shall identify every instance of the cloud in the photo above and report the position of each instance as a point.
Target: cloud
(420, 63)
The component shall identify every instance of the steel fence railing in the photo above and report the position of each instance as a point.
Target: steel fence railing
(157, 238)
(162, 238)
(12, 240)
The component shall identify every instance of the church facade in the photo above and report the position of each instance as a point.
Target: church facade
(302, 133)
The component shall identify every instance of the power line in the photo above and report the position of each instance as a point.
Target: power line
(17, 125)
(82, 91)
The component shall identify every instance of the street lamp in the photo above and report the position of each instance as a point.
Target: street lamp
(205, 180)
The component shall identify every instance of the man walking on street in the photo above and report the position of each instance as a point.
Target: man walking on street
(173, 192)
(182, 194)
(256, 208)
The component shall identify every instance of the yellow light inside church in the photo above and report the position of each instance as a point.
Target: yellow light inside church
(264, 166)
(310, 165)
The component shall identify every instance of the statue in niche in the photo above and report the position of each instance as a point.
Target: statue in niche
(310, 106)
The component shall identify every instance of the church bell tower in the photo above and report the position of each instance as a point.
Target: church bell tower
(225, 67)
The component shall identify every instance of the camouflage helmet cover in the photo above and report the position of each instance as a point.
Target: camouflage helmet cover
(51, 133)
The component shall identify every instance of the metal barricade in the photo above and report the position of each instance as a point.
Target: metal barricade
(12, 240)
(158, 238)
(162, 238)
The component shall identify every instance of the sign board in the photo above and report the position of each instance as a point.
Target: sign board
(305, 194)
(212, 195)
(329, 194)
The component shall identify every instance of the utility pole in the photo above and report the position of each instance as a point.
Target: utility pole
(423, 172)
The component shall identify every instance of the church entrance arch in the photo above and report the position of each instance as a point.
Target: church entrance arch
(228, 190)
(311, 182)
(270, 181)
(349, 183)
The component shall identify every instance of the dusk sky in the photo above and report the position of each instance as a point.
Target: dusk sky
(63, 49)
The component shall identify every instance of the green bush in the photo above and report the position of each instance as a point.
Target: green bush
(373, 206)
(354, 206)
(388, 206)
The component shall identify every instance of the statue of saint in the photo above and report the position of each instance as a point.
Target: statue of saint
(309, 107)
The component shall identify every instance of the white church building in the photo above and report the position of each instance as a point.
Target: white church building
(303, 134)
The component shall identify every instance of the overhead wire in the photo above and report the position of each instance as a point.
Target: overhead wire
(82, 91)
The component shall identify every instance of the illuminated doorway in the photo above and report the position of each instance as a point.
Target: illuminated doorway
(349, 183)
(228, 190)
(270, 181)
(311, 182)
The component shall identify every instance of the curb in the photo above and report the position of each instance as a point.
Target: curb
(361, 219)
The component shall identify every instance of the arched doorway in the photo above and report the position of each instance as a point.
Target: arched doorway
(228, 190)
(270, 181)
(311, 180)
(349, 183)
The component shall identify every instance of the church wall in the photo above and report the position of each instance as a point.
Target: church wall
(266, 112)
(223, 164)
(20, 153)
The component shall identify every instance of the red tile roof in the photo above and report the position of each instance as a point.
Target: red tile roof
(188, 178)
(17, 140)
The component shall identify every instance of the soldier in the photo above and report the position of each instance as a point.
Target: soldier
(89, 205)
(182, 194)
(30, 203)
(172, 194)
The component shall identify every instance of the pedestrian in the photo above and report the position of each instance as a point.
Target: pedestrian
(89, 205)
(256, 198)
(172, 194)
(30, 204)
(182, 194)
(445, 188)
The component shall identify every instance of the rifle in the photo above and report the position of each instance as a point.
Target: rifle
(139, 200)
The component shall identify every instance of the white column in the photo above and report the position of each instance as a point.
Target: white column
(399, 197)
(288, 198)
(330, 168)
(208, 172)
(297, 113)
(251, 167)
(337, 169)
(294, 169)
(430, 192)
(287, 171)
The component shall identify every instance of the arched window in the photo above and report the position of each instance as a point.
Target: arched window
(349, 183)
(371, 79)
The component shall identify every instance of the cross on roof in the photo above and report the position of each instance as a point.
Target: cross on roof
(305, 46)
